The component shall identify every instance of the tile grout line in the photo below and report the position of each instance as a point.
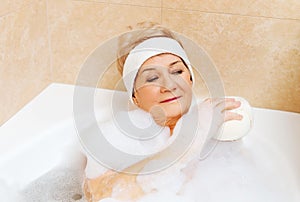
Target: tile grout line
(233, 14)
(112, 3)
(193, 10)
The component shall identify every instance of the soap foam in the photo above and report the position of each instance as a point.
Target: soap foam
(233, 172)
(58, 185)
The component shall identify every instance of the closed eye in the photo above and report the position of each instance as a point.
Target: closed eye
(177, 71)
(152, 79)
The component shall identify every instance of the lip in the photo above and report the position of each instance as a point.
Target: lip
(170, 99)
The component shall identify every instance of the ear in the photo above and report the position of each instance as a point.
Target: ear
(191, 80)
(135, 100)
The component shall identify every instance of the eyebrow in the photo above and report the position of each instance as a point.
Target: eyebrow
(175, 62)
(149, 69)
(153, 68)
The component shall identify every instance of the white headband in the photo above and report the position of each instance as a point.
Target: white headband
(146, 50)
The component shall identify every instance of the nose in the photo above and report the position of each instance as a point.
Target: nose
(168, 84)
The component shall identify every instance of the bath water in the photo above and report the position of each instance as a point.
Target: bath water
(58, 185)
(233, 172)
(63, 185)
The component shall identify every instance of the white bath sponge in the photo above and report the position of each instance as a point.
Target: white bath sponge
(236, 129)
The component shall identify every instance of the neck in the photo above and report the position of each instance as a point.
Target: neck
(166, 121)
(171, 123)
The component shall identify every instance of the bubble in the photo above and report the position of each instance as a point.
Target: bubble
(58, 185)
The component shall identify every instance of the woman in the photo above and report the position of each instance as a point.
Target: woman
(159, 78)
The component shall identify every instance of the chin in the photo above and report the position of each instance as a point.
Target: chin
(174, 111)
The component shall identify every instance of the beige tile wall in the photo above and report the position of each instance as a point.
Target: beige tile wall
(78, 27)
(24, 55)
(254, 44)
(8, 6)
(257, 57)
(259, 8)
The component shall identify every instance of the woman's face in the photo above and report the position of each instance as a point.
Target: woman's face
(163, 85)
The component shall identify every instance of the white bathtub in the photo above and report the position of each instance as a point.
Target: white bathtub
(41, 158)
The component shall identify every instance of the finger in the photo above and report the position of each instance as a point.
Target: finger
(229, 105)
(207, 103)
(229, 116)
(218, 101)
(208, 100)
(219, 105)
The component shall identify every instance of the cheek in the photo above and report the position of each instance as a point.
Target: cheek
(186, 82)
(186, 86)
(147, 97)
(187, 78)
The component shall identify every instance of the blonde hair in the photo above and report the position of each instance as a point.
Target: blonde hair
(140, 33)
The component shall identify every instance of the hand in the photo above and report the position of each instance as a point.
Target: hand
(223, 105)
(123, 186)
(213, 112)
